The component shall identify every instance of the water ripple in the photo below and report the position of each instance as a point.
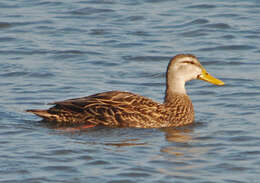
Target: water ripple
(4, 25)
(198, 21)
(229, 47)
(218, 26)
(145, 58)
(202, 6)
(194, 33)
(55, 50)
(7, 39)
(90, 11)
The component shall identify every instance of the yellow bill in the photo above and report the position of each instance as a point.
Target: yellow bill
(205, 76)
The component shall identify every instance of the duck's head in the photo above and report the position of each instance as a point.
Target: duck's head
(186, 67)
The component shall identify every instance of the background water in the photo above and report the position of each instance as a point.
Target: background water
(60, 49)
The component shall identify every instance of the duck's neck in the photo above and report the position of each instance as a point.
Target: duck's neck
(175, 86)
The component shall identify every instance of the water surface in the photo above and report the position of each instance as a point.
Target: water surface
(55, 50)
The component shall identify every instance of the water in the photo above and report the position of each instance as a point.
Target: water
(55, 50)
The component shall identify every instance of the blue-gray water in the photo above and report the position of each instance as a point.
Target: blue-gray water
(60, 49)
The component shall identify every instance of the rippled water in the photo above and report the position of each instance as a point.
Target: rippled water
(55, 50)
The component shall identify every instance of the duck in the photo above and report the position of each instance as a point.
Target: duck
(126, 109)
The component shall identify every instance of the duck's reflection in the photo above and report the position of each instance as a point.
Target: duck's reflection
(181, 135)
(179, 139)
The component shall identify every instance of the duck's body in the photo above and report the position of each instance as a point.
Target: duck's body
(124, 109)
(121, 109)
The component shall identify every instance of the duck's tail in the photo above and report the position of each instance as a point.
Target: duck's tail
(49, 117)
(43, 114)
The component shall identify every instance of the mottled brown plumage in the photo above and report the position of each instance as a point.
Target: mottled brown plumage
(124, 109)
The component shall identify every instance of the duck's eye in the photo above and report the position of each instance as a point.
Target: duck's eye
(189, 62)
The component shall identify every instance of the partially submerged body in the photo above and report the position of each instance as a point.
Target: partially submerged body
(120, 109)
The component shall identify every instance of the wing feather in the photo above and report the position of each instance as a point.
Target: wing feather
(113, 108)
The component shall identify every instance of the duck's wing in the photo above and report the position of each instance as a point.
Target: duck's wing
(113, 108)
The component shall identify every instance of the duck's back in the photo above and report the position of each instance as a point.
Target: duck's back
(113, 108)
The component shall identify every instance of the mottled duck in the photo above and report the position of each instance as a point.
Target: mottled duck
(125, 109)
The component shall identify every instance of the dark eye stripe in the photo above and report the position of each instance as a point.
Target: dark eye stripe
(189, 62)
